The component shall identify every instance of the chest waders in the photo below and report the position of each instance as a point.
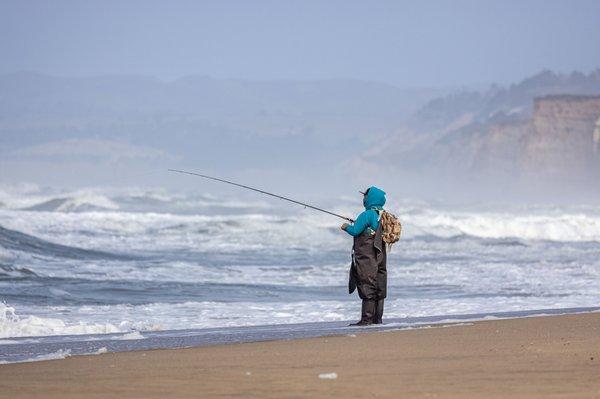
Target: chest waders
(368, 274)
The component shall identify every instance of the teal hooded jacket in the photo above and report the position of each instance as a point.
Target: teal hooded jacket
(374, 200)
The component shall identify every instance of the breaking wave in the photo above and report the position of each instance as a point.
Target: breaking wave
(119, 261)
(126, 210)
(12, 325)
(33, 198)
(17, 241)
(83, 203)
(533, 226)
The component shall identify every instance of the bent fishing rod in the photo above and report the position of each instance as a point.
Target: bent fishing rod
(262, 192)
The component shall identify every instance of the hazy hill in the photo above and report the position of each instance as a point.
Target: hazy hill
(38, 108)
(56, 129)
(471, 139)
(462, 115)
(111, 122)
(500, 103)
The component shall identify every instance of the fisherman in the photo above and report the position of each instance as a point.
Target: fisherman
(372, 230)
(368, 270)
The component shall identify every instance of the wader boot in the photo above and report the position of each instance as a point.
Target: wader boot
(368, 275)
(368, 312)
(378, 312)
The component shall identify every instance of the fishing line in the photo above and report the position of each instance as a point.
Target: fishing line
(262, 192)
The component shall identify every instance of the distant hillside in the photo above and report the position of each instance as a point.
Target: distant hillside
(59, 130)
(496, 133)
(38, 108)
(500, 104)
(113, 123)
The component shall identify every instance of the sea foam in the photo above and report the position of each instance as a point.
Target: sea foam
(12, 325)
(141, 260)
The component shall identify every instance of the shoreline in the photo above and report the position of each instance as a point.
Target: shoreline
(549, 356)
(39, 348)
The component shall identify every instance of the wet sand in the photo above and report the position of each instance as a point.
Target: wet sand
(539, 357)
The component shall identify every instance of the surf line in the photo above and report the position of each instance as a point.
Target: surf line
(262, 192)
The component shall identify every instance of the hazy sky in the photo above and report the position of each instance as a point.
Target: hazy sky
(407, 43)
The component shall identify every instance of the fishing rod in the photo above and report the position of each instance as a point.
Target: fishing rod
(262, 192)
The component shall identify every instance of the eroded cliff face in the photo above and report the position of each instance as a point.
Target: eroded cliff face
(528, 138)
(555, 150)
(563, 138)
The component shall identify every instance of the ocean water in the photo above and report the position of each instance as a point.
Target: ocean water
(132, 261)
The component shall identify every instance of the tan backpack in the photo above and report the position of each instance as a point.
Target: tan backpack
(391, 228)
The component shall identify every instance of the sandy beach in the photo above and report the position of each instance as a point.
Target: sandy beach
(553, 356)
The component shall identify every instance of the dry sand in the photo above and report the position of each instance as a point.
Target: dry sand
(557, 356)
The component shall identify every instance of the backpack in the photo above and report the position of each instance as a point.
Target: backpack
(391, 228)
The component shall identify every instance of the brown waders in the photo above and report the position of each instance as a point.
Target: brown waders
(368, 274)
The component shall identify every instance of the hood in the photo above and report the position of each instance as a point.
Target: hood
(375, 198)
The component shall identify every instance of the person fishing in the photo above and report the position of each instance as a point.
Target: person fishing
(374, 232)
(368, 271)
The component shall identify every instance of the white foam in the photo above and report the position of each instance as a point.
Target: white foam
(135, 232)
(12, 325)
(230, 314)
(218, 314)
(430, 276)
(24, 196)
(59, 201)
(86, 201)
(536, 224)
(132, 335)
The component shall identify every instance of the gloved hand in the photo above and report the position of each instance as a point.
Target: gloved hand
(345, 226)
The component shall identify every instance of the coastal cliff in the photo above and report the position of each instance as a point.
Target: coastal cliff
(563, 137)
(539, 136)
(560, 141)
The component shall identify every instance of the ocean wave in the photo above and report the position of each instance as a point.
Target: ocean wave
(128, 232)
(573, 227)
(135, 211)
(12, 325)
(185, 266)
(30, 197)
(18, 241)
(106, 234)
(130, 322)
(11, 272)
(83, 203)
(34, 198)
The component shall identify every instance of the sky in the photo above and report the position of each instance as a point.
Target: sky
(405, 43)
